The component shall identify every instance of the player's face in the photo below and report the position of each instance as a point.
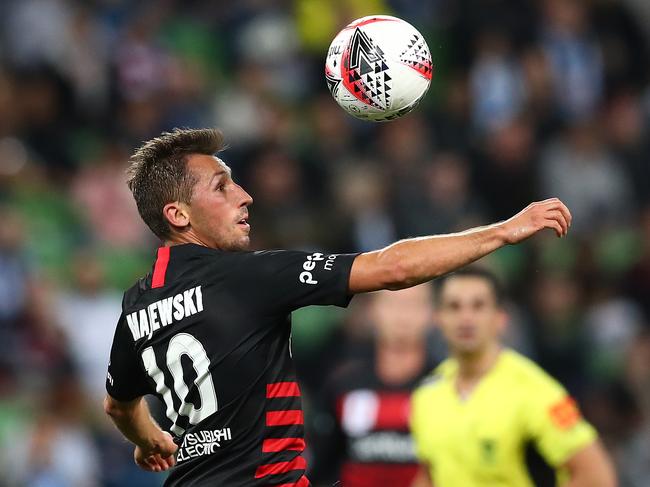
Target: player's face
(219, 206)
(402, 317)
(469, 315)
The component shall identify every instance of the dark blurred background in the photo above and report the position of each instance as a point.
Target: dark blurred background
(531, 99)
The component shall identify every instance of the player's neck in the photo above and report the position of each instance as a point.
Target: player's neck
(399, 363)
(184, 238)
(472, 367)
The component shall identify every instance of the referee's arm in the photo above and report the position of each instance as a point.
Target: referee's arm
(413, 261)
(155, 448)
(590, 467)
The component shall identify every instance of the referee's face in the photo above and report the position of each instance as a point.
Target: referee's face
(218, 212)
(469, 315)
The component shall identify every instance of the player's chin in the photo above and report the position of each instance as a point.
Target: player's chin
(468, 346)
(241, 242)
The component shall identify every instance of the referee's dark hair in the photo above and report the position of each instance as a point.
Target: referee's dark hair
(471, 271)
(158, 172)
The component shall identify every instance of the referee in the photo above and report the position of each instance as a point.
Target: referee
(473, 418)
(208, 330)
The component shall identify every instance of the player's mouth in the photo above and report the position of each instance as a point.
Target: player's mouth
(466, 332)
(244, 223)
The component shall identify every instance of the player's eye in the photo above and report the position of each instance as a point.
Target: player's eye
(453, 306)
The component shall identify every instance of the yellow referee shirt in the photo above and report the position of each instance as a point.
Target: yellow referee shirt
(480, 441)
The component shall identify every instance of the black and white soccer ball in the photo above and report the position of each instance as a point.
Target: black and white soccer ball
(378, 68)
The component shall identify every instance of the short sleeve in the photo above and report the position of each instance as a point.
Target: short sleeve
(125, 379)
(283, 280)
(555, 422)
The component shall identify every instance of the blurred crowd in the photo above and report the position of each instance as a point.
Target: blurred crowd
(530, 99)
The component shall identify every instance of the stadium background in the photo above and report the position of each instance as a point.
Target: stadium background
(531, 98)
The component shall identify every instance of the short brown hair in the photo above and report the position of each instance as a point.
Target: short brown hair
(473, 271)
(158, 173)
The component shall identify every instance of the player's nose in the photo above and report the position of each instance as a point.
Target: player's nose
(246, 199)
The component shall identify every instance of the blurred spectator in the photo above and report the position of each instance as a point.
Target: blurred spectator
(361, 429)
(496, 78)
(612, 323)
(87, 314)
(46, 21)
(579, 169)
(361, 192)
(283, 214)
(443, 202)
(575, 57)
(637, 281)
(15, 281)
(628, 137)
(635, 453)
(505, 168)
(55, 449)
(99, 188)
(560, 335)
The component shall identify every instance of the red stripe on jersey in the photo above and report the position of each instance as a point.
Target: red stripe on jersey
(297, 463)
(282, 389)
(393, 413)
(374, 474)
(160, 269)
(272, 445)
(380, 410)
(284, 418)
(302, 482)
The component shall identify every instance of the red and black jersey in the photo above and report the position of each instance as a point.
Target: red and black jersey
(208, 332)
(361, 429)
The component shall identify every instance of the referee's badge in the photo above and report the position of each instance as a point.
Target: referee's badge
(488, 450)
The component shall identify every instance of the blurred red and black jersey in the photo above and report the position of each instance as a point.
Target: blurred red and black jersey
(361, 429)
(209, 333)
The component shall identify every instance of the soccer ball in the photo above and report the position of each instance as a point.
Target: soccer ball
(378, 68)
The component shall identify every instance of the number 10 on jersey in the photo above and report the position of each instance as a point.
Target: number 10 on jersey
(183, 344)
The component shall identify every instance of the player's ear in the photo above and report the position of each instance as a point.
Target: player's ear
(177, 214)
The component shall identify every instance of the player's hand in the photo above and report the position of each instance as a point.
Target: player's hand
(550, 213)
(158, 458)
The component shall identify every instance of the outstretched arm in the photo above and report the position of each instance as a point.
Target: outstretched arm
(154, 450)
(591, 467)
(413, 261)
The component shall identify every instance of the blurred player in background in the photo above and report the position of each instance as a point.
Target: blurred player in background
(362, 435)
(208, 329)
(473, 419)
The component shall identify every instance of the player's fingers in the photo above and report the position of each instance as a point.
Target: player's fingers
(566, 212)
(556, 204)
(171, 460)
(559, 217)
(153, 464)
(156, 461)
(168, 450)
(166, 463)
(554, 225)
(161, 462)
(145, 465)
